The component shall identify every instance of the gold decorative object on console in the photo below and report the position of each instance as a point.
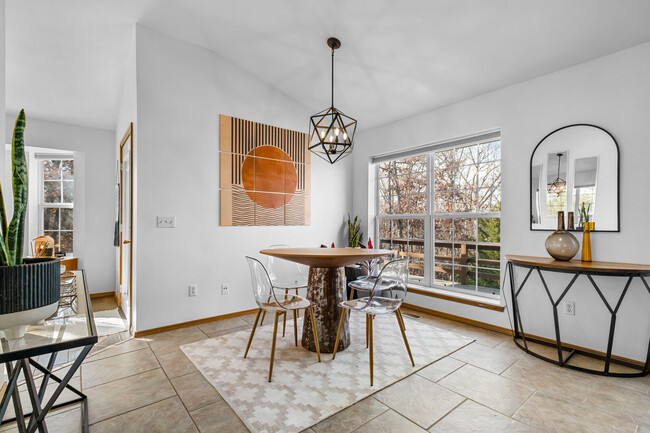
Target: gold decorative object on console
(588, 227)
(562, 245)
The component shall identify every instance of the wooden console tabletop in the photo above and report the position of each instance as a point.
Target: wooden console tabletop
(578, 265)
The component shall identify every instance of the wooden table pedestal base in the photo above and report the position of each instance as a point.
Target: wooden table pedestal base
(325, 291)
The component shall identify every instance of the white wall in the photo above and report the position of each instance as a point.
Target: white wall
(94, 179)
(127, 114)
(612, 92)
(2, 82)
(181, 90)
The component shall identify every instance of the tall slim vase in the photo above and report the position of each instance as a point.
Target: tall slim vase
(586, 241)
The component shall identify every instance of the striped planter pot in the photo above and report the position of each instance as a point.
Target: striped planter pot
(34, 284)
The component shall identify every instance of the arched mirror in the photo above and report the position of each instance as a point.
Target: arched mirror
(575, 169)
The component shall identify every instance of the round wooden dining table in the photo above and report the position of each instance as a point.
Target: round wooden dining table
(326, 289)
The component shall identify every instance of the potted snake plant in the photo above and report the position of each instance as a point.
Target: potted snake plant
(29, 287)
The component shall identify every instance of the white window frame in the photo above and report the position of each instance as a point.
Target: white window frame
(41, 195)
(430, 216)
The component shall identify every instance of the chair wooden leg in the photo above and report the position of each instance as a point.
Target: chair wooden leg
(351, 297)
(250, 339)
(275, 332)
(367, 328)
(284, 321)
(297, 311)
(370, 349)
(295, 326)
(263, 316)
(400, 320)
(313, 329)
(338, 335)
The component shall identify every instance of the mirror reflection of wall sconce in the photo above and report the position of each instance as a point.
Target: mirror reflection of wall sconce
(585, 180)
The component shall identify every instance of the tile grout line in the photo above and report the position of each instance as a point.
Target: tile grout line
(371, 419)
(454, 370)
(517, 411)
(448, 413)
(127, 376)
(133, 410)
(173, 387)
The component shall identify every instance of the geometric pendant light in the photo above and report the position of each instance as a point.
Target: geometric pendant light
(559, 185)
(331, 132)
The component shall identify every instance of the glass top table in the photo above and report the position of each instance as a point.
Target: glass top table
(72, 326)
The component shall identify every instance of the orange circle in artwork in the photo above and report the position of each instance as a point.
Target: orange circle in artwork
(269, 176)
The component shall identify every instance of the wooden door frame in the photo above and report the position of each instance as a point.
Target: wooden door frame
(128, 136)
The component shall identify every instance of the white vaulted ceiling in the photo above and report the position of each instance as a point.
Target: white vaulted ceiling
(65, 58)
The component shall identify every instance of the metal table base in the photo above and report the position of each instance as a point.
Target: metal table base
(41, 407)
(521, 339)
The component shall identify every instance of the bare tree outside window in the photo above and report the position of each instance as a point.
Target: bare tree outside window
(57, 202)
(455, 195)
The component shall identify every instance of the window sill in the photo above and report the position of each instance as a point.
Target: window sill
(475, 301)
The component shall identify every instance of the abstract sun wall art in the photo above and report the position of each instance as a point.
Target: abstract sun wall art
(265, 174)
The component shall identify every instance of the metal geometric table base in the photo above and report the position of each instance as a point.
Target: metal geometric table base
(40, 407)
(519, 333)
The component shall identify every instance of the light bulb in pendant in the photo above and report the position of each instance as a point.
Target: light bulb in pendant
(322, 134)
(345, 136)
(336, 132)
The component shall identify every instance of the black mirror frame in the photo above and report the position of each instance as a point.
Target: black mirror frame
(618, 180)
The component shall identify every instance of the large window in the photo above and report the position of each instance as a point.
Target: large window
(441, 210)
(56, 204)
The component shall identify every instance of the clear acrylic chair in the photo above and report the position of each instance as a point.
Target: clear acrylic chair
(384, 295)
(285, 275)
(276, 301)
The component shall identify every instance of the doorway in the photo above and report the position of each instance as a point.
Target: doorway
(125, 297)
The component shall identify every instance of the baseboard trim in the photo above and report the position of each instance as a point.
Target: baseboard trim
(458, 299)
(101, 295)
(509, 332)
(106, 295)
(192, 323)
(460, 319)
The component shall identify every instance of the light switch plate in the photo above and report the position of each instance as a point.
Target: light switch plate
(167, 222)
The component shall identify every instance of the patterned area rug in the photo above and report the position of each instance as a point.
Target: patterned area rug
(304, 391)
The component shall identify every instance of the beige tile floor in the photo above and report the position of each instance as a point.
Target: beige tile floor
(148, 385)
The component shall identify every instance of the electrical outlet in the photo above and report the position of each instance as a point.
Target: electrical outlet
(570, 308)
(192, 290)
(224, 289)
(166, 222)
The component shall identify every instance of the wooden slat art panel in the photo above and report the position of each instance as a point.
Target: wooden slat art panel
(265, 174)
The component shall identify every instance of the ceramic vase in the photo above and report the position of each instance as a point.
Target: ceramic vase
(562, 245)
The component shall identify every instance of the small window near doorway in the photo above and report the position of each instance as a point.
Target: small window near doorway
(56, 202)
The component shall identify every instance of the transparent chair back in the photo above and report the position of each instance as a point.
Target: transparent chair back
(261, 282)
(286, 274)
(391, 286)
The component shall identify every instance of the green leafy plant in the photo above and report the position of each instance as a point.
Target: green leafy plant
(13, 236)
(354, 232)
(584, 212)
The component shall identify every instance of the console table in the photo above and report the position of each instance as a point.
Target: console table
(626, 271)
(72, 327)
